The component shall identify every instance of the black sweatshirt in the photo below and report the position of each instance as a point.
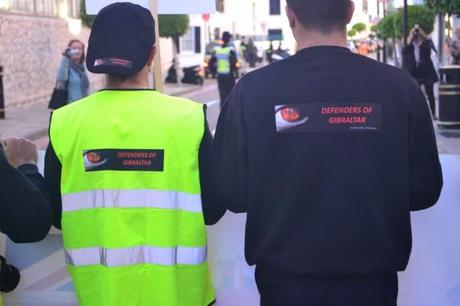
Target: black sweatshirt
(327, 152)
(212, 212)
(25, 214)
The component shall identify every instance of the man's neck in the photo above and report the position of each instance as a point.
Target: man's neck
(139, 82)
(308, 39)
(125, 85)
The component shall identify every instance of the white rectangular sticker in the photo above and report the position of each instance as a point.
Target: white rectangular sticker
(165, 7)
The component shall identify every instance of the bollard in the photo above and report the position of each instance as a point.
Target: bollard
(2, 97)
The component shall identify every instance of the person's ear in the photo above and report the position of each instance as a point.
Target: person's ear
(351, 11)
(153, 52)
(291, 17)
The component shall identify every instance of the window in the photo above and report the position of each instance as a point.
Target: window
(275, 34)
(365, 6)
(275, 7)
(191, 41)
(220, 6)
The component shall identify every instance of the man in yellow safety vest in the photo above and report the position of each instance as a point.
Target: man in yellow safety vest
(226, 60)
(130, 166)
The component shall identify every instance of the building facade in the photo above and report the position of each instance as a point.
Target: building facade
(262, 20)
(33, 36)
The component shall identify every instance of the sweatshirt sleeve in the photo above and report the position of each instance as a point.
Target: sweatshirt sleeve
(25, 215)
(53, 184)
(425, 168)
(230, 156)
(213, 212)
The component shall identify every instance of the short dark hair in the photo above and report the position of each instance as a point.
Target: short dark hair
(226, 37)
(322, 15)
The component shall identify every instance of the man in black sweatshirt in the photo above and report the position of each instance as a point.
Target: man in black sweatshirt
(327, 152)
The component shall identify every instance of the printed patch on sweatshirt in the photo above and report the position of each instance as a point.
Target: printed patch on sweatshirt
(123, 160)
(327, 117)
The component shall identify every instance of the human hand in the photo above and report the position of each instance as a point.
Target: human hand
(20, 151)
(2, 145)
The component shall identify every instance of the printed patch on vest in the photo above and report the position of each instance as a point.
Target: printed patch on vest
(123, 160)
(118, 62)
(326, 117)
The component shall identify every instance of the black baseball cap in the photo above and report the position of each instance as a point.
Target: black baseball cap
(122, 37)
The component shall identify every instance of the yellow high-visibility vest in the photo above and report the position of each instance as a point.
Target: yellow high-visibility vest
(223, 60)
(132, 221)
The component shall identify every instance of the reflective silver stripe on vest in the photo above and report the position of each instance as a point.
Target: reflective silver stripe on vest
(135, 256)
(131, 199)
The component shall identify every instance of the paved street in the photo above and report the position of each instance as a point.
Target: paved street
(32, 122)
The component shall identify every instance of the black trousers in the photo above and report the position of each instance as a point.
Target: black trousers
(226, 82)
(429, 90)
(278, 289)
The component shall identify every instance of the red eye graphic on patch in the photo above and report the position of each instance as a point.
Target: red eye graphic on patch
(93, 157)
(290, 114)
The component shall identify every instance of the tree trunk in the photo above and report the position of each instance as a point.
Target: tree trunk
(176, 52)
(441, 38)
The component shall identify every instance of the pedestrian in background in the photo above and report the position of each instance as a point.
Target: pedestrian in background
(252, 53)
(419, 59)
(226, 60)
(269, 52)
(72, 74)
(455, 48)
(327, 171)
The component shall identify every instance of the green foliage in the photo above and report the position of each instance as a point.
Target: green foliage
(386, 27)
(351, 33)
(444, 6)
(392, 25)
(418, 14)
(374, 28)
(359, 27)
(173, 25)
(87, 20)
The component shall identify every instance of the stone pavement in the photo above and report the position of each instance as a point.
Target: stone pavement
(448, 141)
(32, 121)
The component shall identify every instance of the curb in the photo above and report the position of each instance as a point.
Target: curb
(186, 91)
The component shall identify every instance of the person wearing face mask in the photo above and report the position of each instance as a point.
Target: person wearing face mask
(419, 59)
(72, 74)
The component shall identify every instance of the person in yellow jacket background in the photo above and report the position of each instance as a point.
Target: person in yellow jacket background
(128, 168)
(226, 61)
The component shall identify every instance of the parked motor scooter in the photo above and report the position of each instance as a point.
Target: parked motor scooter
(193, 75)
(171, 78)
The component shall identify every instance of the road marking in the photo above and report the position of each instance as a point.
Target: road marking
(212, 103)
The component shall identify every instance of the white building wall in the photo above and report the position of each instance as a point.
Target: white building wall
(365, 15)
(252, 18)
